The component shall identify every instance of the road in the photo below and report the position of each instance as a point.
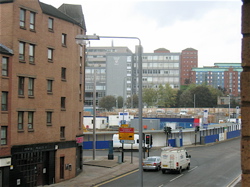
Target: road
(216, 165)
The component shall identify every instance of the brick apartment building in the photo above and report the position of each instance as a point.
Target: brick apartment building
(189, 60)
(223, 75)
(41, 92)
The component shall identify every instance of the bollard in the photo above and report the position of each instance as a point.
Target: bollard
(119, 159)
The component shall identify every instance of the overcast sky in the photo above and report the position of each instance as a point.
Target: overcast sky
(211, 27)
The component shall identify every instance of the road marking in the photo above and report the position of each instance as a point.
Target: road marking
(176, 178)
(115, 178)
(161, 185)
(193, 169)
(235, 181)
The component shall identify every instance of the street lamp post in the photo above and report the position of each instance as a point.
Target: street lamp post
(96, 37)
(229, 108)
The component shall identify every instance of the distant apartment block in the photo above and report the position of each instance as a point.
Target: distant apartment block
(223, 75)
(42, 90)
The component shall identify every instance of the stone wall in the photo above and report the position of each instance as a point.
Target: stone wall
(245, 94)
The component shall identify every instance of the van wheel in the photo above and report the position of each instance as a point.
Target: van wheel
(163, 171)
(188, 168)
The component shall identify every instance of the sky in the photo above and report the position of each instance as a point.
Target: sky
(213, 27)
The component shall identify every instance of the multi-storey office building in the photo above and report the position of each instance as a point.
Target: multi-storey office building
(160, 69)
(42, 92)
(117, 70)
(96, 66)
(224, 75)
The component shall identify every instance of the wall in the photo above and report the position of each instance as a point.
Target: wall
(245, 96)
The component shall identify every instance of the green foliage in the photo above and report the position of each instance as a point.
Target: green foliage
(120, 101)
(149, 96)
(164, 96)
(199, 96)
(133, 101)
(107, 102)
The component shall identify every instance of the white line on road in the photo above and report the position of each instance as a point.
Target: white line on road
(193, 169)
(176, 178)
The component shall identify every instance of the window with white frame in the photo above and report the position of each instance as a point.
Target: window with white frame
(4, 101)
(31, 87)
(20, 120)
(31, 53)
(50, 54)
(51, 24)
(21, 51)
(32, 20)
(3, 135)
(30, 120)
(22, 18)
(5, 66)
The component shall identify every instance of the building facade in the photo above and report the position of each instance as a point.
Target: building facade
(116, 70)
(42, 89)
(223, 75)
(189, 60)
(97, 60)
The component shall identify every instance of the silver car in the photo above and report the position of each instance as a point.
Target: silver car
(152, 163)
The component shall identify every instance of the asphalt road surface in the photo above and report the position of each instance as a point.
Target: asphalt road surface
(214, 165)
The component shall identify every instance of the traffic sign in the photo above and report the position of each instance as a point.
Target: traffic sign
(126, 133)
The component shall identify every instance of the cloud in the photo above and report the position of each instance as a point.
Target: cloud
(211, 27)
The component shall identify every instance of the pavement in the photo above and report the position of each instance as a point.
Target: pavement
(100, 170)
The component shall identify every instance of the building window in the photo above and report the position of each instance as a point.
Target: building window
(5, 65)
(31, 87)
(50, 54)
(4, 101)
(20, 120)
(21, 86)
(49, 118)
(21, 51)
(51, 24)
(64, 37)
(3, 135)
(63, 74)
(22, 18)
(30, 120)
(63, 102)
(80, 92)
(31, 53)
(32, 20)
(49, 86)
(62, 132)
(80, 120)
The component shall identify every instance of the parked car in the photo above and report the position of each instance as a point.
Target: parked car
(152, 163)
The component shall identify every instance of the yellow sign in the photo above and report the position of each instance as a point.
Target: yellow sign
(125, 125)
(126, 133)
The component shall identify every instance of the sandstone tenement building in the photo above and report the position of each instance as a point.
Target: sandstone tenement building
(42, 89)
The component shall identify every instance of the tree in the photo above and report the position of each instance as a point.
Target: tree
(134, 101)
(107, 102)
(166, 96)
(149, 96)
(120, 101)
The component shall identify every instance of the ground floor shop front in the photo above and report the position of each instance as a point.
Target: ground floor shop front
(44, 164)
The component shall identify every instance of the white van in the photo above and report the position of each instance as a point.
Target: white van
(117, 145)
(174, 159)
